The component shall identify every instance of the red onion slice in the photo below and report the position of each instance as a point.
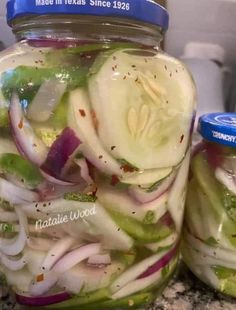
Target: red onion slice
(26, 140)
(50, 278)
(80, 120)
(84, 170)
(46, 100)
(75, 257)
(54, 180)
(159, 264)
(60, 153)
(136, 271)
(42, 300)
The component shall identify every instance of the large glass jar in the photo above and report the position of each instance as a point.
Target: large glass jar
(95, 133)
(209, 240)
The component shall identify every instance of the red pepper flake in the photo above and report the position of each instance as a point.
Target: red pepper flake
(127, 168)
(113, 147)
(40, 278)
(95, 120)
(181, 138)
(100, 157)
(20, 125)
(124, 77)
(114, 180)
(82, 112)
(133, 66)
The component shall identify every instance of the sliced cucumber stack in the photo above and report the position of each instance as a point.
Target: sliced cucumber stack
(144, 108)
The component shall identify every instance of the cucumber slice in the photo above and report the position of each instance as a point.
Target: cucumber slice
(135, 271)
(215, 195)
(142, 233)
(119, 200)
(146, 177)
(35, 260)
(91, 278)
(144, 106)
(84, 299)
(7, 146)
(19, 280)
(177, 194)
(80, 119)
(26, 80)
(23, 170)
(131, 302)
(88, 220)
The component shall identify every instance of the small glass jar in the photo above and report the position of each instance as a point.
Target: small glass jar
(209, 238)
(95, 134)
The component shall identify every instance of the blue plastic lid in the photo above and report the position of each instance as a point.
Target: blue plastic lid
(219, 128)
(142, 10)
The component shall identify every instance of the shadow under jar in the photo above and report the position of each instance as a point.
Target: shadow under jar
(209, 239)
(95, 133)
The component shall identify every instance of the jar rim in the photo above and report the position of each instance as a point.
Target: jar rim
(147, 11)
(219, 128)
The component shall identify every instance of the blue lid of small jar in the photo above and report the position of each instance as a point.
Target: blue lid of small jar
(219, 128)
(141, 10)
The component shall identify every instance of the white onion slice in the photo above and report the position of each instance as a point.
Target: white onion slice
(143, 196)
(38, 288)
(16, 246)
(46, 100)
(75, 257)
(71, 259)
(84, 171)
(135, 271)
(221, 254)
(8, 217)
(15, 194)
(26, 140)
(226, 179)
(138, 285)
(40, 244)
(57, 251)
(13, 264)
(99, 260)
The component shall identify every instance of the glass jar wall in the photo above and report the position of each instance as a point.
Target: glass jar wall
(210, 224)
(95, 133)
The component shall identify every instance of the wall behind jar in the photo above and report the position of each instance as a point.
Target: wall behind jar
(5, 32)
(212, 21)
